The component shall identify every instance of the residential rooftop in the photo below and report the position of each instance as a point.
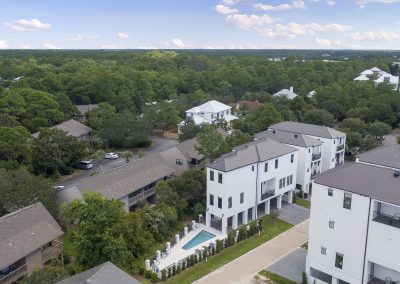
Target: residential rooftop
(210, 106)
(106, 273)
(367, 180)
(309, 129)
(71, 127)
(385, 156)
(290, 94)
(24, 231)
(295, 139)
(83, 109)
(256, 151)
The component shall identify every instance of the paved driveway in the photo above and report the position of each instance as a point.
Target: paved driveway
(293, 213)
(291, 266)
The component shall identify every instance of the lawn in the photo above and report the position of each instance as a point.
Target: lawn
(276, 279)
(67, 244)
(303, 202)
(272, 227)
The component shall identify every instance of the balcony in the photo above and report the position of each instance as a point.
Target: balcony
(339, 148)
(142, 195)
(13, 275)
(52, 251)
(316, 156)
(268, 193)
(393, 221)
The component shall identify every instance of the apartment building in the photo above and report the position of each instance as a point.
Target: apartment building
(29, 238)
(309, 156)
(334, 142)
(354, 232)
(248, 182)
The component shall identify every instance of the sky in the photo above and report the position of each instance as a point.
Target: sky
(208, 24)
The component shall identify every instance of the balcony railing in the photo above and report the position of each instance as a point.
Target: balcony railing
(267, 194)
(390, 220)
(52, 251)
(13, 275)
(142, 195)
(339, 148)
(316, 156)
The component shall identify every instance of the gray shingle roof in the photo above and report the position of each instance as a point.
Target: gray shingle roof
(256, 151)
(188, 149)
(24, 231)
(296, 139)
(309, 129)
(132, 176)
(106, 273)
(72, 127)
(368, 180)
(387, 156)
(83, 109)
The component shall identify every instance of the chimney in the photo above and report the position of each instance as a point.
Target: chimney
(291, 89)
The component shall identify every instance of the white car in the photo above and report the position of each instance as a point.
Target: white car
(111, 156)
(59, 187)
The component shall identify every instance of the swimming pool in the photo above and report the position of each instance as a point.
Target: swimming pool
(198, 239)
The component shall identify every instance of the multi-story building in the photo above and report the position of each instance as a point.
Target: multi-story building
(29, 238)
(355, 221)
(249, 181)
(334, 141)
(209, 112)
(309, 156)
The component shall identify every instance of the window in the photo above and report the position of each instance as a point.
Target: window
(292, 158)
(266, 167)
(241, 197)
(219, 202)
(330, 192)
(332, 224)
(309, 150)
(323, 250)
(347, 201)
(252, 168)
(288, 180)
(212, 199)
(280, 183)
(230, 202)
(178, 162)
(284, 182)
(276, 163)
(219, 177)
(212, 116)
(291, 179)
(212, 175)
(339, 260)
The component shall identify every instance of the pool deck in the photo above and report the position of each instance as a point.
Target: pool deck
(177, 251)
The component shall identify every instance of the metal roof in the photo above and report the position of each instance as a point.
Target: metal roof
(295, 139)
(309, 129)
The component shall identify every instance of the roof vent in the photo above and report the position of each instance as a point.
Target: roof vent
(273, 131)
(396, 174)
(295, 136)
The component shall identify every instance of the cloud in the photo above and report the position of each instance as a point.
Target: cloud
(109, 46)
(363, 3)
(3, 44)
(230, 2)
(375, 36)
(25, 46)
(49, 46)
(178, 43)
(28, 25)
(122, 35)
(249, 21)
(330, 3)
(225, 9)
(291, 30)
(323, 42)
(286, 6)
(80, 37)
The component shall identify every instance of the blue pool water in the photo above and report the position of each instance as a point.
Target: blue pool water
(198, 239)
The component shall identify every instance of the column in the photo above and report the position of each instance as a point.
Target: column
(245, 219)
(208, 219)
(290, 197)
(224, 225)
(234, 221)
(267, 206)
(279, 202)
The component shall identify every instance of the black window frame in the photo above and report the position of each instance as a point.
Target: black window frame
(241, 197)
(347, 200)
(276, 163)
(219, 202)
(292, 158)
(179, 162)
(339, 260)
(266, 167)
(330, 191)
(230, 201)
(220, 178)
(211, 175)
(212, 199)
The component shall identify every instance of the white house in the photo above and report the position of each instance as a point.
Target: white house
(311, 94)
(289, 94)
(246, 183)
(383, 76)
(209, 112)
(390, 79)
(354, 234)
(362, 78)
(333, 141)
(309, 161)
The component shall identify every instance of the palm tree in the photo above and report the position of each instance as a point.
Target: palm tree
(100, 156)
(127, 155)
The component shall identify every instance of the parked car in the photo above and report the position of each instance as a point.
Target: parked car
(59, 187)
(84, 165)
(111, 156)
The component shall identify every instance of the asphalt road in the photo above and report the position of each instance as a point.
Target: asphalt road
(390, 139)
(158, 145)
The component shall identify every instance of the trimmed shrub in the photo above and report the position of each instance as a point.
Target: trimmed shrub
(154, 278)
(231, 239)
(174, 269)
(163, 275)
(218, 246)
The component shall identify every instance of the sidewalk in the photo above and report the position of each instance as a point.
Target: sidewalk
(242, 269)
